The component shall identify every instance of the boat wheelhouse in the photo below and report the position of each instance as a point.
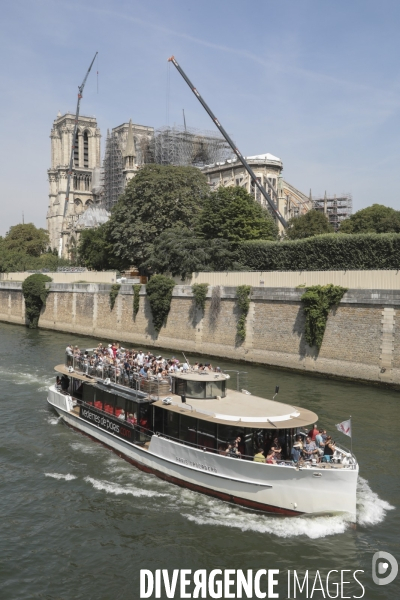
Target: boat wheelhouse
(180, 428)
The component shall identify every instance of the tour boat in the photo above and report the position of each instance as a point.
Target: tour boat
(178, 430)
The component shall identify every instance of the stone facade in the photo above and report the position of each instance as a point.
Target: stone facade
(86, 162)
(361, 340)
(268, 170)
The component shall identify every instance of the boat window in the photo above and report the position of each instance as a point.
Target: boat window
(158, 424)
(76, 388)
(180, 387)
(196, 389)
(120, 408)
(171, 424)
(215, 388)
(206, 434)
(104, 401)
(88, 394)
(131, 412)
(188, 429)
(227, 433)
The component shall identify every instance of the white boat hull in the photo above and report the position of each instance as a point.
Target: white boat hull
(278, 489)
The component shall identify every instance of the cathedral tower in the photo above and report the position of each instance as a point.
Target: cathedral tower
(86, 160)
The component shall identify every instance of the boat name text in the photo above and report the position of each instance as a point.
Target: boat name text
(196, 465)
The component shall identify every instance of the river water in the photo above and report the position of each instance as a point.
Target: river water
(77, 522)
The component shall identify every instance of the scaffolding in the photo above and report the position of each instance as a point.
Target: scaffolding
(113, 171)
(336, 208)
(188, 147)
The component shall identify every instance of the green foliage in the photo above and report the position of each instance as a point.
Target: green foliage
(113, 294)
(314, 222)
(181, 252)
(27, 239)
(95, 249)
(243, 303)
(317, 302)
(200, 294)
(136, 298)
(232, 214)
(35, 294)
(159, 197)
(330, 252)
(159, 292)
(373, 219)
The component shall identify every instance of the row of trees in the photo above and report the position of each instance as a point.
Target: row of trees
(167, 220)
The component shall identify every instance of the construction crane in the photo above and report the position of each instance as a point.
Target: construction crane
(250, 171)
(71, 160)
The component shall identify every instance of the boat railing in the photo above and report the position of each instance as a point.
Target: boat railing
(153, 387)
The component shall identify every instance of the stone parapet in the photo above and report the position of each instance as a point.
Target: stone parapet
(361, 340)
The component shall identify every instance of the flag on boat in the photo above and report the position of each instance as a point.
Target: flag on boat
(344, 427)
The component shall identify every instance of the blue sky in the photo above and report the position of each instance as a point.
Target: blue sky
(314, 82)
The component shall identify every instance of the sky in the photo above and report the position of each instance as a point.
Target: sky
(313, 82)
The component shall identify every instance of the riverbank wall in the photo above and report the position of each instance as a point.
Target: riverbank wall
(361, 341)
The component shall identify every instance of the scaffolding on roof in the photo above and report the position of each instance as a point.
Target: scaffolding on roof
(336, 208)
(188, 147)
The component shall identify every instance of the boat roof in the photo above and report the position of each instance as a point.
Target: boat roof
(241, 410)
(200, 376)
(64, 371)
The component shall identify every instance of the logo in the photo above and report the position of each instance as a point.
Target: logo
(380, 566)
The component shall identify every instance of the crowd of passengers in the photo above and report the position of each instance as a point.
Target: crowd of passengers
(314, 447)
(124, 362)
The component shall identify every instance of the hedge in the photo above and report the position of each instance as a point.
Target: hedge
(328, 252)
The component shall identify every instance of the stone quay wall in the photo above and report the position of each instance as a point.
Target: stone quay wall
(361, 341)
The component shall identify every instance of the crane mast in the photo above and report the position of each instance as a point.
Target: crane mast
(71, 160)
(250, 171)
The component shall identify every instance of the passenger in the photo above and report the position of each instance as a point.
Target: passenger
(58, 381)
(69, 350)
(121, 415)
(64, 383)
(259, 457)
(299, 440)
(296, 452)
(310, 449)
(329, 449)
(320, 443)
(270, 460)
(277, 449)
(313, 432)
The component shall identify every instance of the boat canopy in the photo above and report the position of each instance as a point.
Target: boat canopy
(241, 410)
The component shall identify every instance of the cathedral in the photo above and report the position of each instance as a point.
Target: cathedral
(85, 186)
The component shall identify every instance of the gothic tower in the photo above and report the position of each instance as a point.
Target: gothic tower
(86, 160)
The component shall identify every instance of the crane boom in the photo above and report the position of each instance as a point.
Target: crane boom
(71, 160)
(250, 171)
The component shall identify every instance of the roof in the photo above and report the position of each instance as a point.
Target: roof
(200, 376)
(64, 371)
(266, 156)
(242, 410)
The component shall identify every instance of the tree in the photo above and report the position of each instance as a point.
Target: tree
(157, 198)
(26, 238)
(373, 219)
(314, 222)
(182, 252)
(95, 250)
(232, 214)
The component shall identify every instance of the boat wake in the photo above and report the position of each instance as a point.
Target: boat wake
(118, 490)
(22, 377)
(67, 477)
(371, 510)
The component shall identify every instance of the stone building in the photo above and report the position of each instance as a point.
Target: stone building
(127, 148)
(84, 188)
(268, 170)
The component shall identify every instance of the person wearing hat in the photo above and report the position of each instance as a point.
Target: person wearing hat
(296, 452)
